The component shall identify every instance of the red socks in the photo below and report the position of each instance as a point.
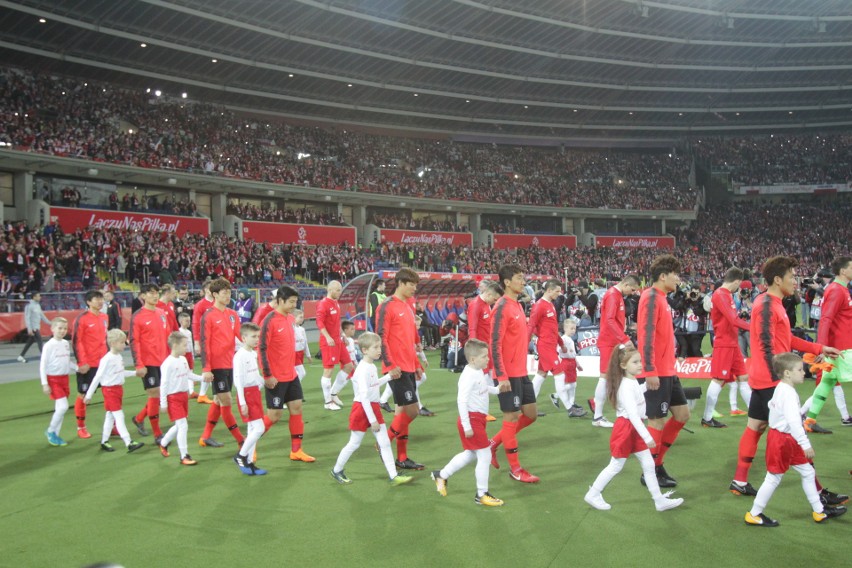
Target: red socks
(670, 431)
(399, 430)
(80, 411)
(154, 416)
(231, 423)
(267, 423)
(212, 420)
(657, 435)
(297, 432)
(143, 414)
(745, 457)
(508, 435)
(523, 422)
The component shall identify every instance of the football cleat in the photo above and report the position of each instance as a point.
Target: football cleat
(713, 423)
(209, 443)
(812, 427)
(830, 498)
(743, 490)
(140, 427)
(762, 520)
(409, 463)
(83, 433)
(595, 499)
(602, 423)
(554, 399)
(133, 446)
(664, 502)
(524, 476)
(440, 483)
(187, 460)
(301, 456)
(488, 500)
(340, 477)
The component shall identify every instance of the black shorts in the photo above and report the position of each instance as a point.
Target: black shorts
(522, 393)
(85, 379)
(758, 406)
(670, 393)
(151, 380)
(404, 389)
(282, 393)
(223, 381)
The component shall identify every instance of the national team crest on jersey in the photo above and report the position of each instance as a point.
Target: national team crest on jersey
(163, 319)
(231, 318)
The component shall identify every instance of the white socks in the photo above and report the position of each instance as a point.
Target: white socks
(60, 407)
(253, 434)
(178, 430)
(840, 401)
(325, 383)
(537, 381)
(617, 464)
(386, 394)
(301, 372)
(354, 443)
(712, 396)
(483, 463)
(339, 383)
(600, 397)
(745, 392)
(116, 418)
(202, 390)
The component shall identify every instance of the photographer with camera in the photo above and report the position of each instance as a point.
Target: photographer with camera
(814, 292)
(585, 304)
(690, 320)
(743, 302)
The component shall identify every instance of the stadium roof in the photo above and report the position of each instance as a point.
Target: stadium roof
(495, 69)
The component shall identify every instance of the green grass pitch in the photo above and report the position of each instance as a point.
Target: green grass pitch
(76, 505)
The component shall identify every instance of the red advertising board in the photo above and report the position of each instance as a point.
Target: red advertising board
(278, 233)
(635, 242)
(512, 241)
(406, 237)
(72, 219)
(695, 368)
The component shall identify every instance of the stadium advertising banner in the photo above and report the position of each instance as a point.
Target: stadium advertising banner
(635, 242)
(512, 241)
(293, 233)
(587, 342)
(71, 219)
(406, 237)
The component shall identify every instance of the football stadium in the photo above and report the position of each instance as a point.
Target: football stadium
(435, 282)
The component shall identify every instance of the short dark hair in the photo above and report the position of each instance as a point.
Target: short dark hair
(664, 264)
(840, 263)
(778, 266)
(92, 294)
(406, 274)
(632, 279)
(285, 292)
(346, 324)
(218, 285)
(147, 287)
(551, 284)
(784, 362)
(507, 272)
(248, 327)
(733, 274)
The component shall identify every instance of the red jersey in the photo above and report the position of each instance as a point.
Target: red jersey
(219, 329)
(479, 320)
(544, 324)
(276, 352)
(655, 334)
(509, 340)
(261, 313)
(613, 319)
(723, 314)
(399, 335)
(770, 335)
(198, 310)
(149, 337)
(328, 318)
(90, 342)
(171, 318)
(835, 324)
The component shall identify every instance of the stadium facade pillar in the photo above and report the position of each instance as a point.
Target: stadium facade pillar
(663, 227)
(218, 210)
(474, 222)
(359, 217)
(580, 226)
(22, 187)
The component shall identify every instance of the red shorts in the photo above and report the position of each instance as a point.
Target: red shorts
(112, 397)
(300, 358)
(255, 404)
(548, 359)
(782, 451)
(479, 440)
(58, 386)
(333, 355)
(606, 353)
(625, 440)
(727, 364)
(569, 367)
(358, 418)
(178, 404)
